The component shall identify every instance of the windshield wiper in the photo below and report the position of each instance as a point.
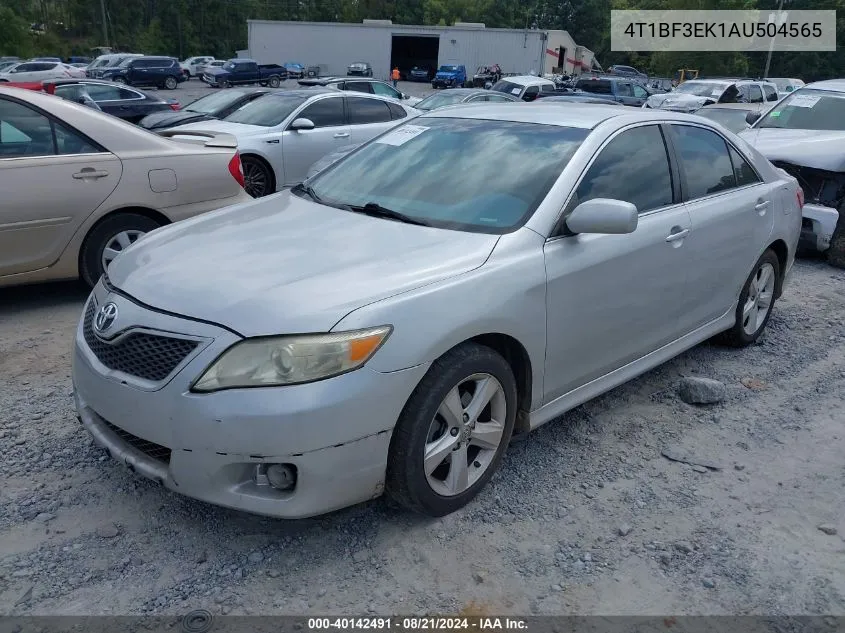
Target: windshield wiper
(377, 211)
(308, 190)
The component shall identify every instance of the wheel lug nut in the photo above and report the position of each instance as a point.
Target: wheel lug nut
(477, 464)
(457, 446)
(466, 417)
(454, 431)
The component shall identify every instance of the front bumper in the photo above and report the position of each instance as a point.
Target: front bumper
(335, 432)
(818, 226)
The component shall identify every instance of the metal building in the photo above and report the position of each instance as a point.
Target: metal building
(333, 46)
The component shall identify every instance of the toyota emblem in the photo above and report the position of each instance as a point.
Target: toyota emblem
(105, 317)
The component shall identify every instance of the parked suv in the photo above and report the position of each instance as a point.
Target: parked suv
(162, 72)
(450, 76)
(624, 90)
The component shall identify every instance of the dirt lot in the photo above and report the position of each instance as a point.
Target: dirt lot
(585, 517)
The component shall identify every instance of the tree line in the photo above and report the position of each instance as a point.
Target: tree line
(218, 27)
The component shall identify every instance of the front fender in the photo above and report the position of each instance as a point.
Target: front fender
(506, 295)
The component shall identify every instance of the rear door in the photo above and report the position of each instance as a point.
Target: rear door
(52, 179)
(732, 213)
(625, 93)
(303, 148)
(368, 117)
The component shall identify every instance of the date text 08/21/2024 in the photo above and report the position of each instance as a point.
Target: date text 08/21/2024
(416, 624)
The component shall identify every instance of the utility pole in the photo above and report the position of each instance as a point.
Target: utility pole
(105, 24)
(773, 18)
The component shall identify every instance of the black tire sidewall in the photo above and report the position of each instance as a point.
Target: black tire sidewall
(90, 257)
(737, 335)
(406, 479)
(269, 177)
(274, 82)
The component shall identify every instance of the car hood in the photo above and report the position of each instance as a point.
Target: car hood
(283, 264)
(818, 149)
(161, 120)
(224, 127)
(674, 100)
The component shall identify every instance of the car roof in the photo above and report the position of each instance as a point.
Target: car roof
(833, 85)
(527, 80)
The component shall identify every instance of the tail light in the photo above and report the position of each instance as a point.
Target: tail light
(175, 106)
(49, 88)
(236, 169)
(800, 195)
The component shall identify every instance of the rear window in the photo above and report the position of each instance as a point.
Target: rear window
(595, 86)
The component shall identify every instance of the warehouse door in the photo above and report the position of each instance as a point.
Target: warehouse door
(408, 51)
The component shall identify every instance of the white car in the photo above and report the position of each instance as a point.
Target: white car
(697, 93)
(785, 86)
(76, 72)
(525, 87)
(191, 66)
(281, 135)
(39, 71)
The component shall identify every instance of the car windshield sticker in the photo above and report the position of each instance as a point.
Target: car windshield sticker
(402, 135)
(775, 114)
(516, 91)
(803, 101)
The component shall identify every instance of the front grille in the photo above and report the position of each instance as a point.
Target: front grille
(150, 449)
(146, 356)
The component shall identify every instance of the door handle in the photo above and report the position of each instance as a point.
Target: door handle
(272, 141)
(342, 135)
(677, 234)
(761, 206)
(88, 172)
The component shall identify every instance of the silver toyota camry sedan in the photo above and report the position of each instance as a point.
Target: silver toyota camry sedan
(389, 324)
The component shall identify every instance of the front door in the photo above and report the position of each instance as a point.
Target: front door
(303, 148)
(611, 299)
(52, 179)
(732, 213)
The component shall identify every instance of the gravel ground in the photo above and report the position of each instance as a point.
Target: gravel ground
(587, 515)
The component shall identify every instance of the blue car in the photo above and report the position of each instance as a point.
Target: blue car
(295, 70)
(450, 76)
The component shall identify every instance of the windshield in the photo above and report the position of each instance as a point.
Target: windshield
(439, 100)
(808, 109)
(123, 63)
(448, 69)
(267, 112)
(214, 102)
(508, 87)
(731, 118)
(471, 175)
(702, 88)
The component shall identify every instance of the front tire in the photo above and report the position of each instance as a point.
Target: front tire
(836, 250)
(755, 302)
(108, 239)
(258, 177)
(452, 434)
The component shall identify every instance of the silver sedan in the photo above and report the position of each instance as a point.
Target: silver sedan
(391, 323)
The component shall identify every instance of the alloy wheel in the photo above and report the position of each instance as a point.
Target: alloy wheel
(761, 293)
(118, 244)
(465, 434)
(255, 178)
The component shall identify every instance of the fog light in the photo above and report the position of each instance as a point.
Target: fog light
(282, 476)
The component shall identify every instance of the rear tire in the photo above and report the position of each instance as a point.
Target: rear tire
(756, 302)
(119, 80)
(836, 251)
(274, 82)
(171, 82)
(224, 83)
(259, 180)
(116, 233)
(449, 417)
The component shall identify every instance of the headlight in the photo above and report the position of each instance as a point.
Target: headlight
(291, 360)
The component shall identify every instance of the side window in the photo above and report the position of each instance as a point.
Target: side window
(102, 92)
(640, 92)
(547, 88)
(125, 93)
(68, 142)
(24, 132)
(771, 93)
(24, 68)
(614, 173)
(754, 94)
(325, 112)
(363, 110)
(623, 89)
(384, 91)
(705, 160)
(497, 98)
(744, 173)
(531, 93)
(397, 111)
(359, 86)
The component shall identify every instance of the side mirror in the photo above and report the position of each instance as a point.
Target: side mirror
(603, 215)
(404, 96)
(302, 124)
(752, 117)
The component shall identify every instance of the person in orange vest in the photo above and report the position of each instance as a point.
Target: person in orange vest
(395, 76)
